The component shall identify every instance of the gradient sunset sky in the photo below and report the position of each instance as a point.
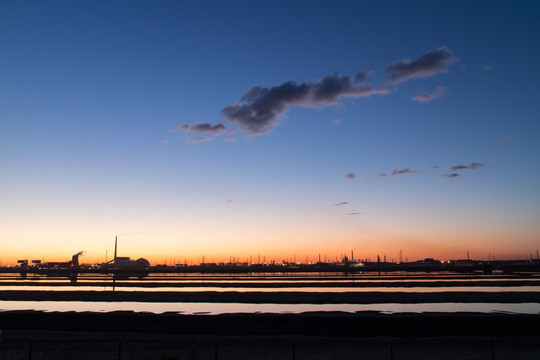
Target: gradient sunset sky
(271, 128)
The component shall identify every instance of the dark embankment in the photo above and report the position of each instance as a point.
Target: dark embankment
(366, 324)
(275, 297)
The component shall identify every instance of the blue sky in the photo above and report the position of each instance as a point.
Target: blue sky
(101, 103)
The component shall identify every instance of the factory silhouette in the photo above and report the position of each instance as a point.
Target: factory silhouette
(125, 267)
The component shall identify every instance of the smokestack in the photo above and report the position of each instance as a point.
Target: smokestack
(115, 243)
(75, 259)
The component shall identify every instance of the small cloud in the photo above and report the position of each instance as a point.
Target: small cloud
(341, 203)
(166, 141)
(350, 176)
(431, 63)
(472, 166)
(384, 59)
(487, 67)
(229, 201)
(231, 139)
(198, 139)
(404, 171)
(363, 75)
(381, 175)
(202, 128)
(453, 175)
(354, 212)
(429, 95)
(336, 122)
(433, 167)
(502, 139)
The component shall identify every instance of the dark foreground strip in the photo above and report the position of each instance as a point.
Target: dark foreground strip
(365, 324)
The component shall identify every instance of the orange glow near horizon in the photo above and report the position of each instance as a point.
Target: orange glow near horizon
(412, 250)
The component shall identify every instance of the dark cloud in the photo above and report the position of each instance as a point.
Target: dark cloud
(472, 166)
(354, 212)
(259, 109)
(453, 175)
(202, 128)
(381, 175)
(429, 64)
(341, 203)
(404, 171)
(433, 167)
(429, 95)
(350, 176)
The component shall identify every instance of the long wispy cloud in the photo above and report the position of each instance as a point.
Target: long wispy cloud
(472, 166)
(452, 175)
(429, 95)
(431, 63)
(341, 203)
(259, 110)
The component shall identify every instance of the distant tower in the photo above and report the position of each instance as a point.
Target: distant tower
(400, 256)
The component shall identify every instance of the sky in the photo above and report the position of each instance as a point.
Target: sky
(272, 129)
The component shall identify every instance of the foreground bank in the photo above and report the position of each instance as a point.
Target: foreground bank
(361, 324)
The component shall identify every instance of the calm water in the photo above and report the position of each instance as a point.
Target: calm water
(224, 308)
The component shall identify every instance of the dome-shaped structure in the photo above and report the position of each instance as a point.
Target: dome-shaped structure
(142, 263)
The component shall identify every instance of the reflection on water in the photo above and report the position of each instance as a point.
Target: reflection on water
(266, 283)
(318, 289)
(227, 308)
(280, 277)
